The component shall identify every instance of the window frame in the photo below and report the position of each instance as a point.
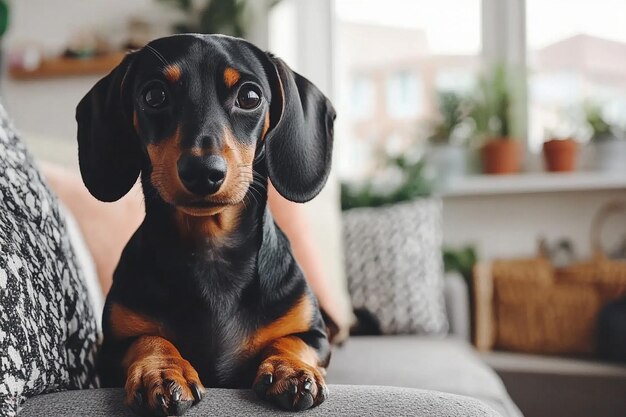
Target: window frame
(503, 37)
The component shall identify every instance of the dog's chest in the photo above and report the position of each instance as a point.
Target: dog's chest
(213, 342)
(214, 317)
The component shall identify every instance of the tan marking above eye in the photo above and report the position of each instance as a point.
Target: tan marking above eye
(172, 72)
(231, 77)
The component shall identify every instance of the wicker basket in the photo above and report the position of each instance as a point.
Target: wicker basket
(606, 275)
(541, 309)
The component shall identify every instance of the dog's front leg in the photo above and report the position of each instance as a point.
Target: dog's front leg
(158, 380)
(290, 375)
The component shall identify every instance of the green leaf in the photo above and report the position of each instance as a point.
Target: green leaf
(491, 109)
(215, 16)
(4, 17)
(414, 185)
(461, 261)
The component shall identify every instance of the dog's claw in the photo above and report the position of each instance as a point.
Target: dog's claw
(176, 395)
(197, 393)
(161, 399)
(262, 384)
(267, 379)
(307, 385)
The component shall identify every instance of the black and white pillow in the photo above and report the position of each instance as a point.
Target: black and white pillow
(395, 267)
(47, 328)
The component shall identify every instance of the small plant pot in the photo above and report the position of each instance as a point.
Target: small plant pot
(502, 156)
(610, 155)
(447, 161)
(560, 155)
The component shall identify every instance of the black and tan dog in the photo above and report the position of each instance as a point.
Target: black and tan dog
(207, 292)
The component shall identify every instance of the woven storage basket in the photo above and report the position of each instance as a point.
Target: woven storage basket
(540, 309)
(606, 275)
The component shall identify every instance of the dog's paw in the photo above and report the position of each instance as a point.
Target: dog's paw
(166, 387)
(290, 383)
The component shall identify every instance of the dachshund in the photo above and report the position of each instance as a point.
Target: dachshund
(207, 292)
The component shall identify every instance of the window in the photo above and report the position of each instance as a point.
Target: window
(389, 61)
(364, 98)
(404, 95)
(576, 54)
(456, 80)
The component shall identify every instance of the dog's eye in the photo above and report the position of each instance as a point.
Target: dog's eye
(155, 96)
(249, 97)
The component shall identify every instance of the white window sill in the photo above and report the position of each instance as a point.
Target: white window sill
(526, 183)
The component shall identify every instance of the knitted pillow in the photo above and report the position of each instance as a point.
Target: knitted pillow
(47, 328)
(395, 267)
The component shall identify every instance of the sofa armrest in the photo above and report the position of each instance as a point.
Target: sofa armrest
(344, 400)
(456, 294)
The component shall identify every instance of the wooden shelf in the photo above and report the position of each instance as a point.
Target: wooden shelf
(69, 67)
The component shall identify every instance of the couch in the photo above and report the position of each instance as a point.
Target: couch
(368, 376)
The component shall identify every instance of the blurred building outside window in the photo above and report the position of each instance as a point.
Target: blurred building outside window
(407, 50)
(404, 95)
(389, 60)
(363, 91)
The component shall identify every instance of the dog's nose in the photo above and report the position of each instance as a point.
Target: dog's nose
(202, 175)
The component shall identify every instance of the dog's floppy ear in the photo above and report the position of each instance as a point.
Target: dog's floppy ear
(109, 151)
(300, 139)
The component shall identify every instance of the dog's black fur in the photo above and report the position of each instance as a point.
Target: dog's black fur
(225, 291)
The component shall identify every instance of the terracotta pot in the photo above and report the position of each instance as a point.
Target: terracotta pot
(502, 156)
(560, 155)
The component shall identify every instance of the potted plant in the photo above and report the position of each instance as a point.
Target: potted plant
(560, 151)
(491, 113)
(447, 140)
(401, 179)
(211, 16)
(560, 154)
(609, 147)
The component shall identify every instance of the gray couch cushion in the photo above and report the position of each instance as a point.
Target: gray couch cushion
(344, 401)
(447, 365)
(394, 267)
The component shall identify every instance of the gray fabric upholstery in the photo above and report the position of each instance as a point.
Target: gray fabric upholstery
(456, 294)
(395, 268)
(344, 401)
(447, 365)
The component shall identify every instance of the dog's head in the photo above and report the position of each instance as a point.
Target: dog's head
(196, 112)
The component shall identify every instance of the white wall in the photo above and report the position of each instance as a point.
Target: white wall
(508, 225)
(50, 23)
(44, 109)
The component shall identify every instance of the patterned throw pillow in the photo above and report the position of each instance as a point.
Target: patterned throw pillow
(395, 267)
(47, 328)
